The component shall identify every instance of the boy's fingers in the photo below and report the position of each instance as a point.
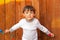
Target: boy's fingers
(6, 31)
(52, 35)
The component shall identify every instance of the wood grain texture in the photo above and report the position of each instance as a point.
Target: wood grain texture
(47, 11)
(2, 20)
(10, 18)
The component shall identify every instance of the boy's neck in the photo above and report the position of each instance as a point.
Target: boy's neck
(30, 20)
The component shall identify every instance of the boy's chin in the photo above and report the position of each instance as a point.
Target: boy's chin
(29, 19)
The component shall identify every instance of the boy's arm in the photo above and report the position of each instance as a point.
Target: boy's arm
(14, 27)
(44, 29)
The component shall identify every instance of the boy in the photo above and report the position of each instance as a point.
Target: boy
(29, 24)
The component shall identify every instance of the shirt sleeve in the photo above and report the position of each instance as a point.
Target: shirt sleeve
(42, 28)
(16, 26)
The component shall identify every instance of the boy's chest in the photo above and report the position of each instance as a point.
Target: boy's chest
(29, 26)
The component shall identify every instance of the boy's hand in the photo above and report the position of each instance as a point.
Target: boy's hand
(6, 31)
(51, 35)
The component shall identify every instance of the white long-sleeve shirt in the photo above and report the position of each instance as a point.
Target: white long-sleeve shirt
(29, 29)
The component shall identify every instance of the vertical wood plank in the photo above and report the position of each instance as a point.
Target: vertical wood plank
(56, 19)
(50, 13)
(43, 17)
(2, 19)
(10, 18)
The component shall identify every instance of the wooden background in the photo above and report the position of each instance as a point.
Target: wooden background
(47, 11)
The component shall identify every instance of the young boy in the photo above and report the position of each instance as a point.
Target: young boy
(29, 24)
